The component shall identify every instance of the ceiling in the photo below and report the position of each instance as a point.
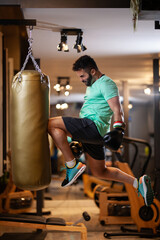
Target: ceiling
(120, 52)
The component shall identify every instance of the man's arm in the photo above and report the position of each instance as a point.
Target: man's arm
(116, 107)
(113, 139)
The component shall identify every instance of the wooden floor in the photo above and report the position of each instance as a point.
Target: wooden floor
(68, 203)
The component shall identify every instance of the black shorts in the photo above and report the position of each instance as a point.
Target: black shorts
(85, 131)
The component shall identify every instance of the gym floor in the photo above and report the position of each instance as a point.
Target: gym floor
(68, 203)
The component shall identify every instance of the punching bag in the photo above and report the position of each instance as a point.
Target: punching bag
(29, 138)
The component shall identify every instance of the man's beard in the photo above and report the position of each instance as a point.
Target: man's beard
(89, 80)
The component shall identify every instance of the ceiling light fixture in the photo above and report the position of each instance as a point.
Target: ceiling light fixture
(63, 85)
(61, 105)
(71, 32)
(79, 46)
(62, 46)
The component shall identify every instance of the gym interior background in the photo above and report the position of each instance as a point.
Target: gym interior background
(124, 54)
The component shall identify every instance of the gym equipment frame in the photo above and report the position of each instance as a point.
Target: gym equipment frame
(147, 219)
(42, 223)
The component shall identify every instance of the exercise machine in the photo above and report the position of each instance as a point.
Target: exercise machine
(9, 215)
(13, 200)
(146, 218)
(44, 224)
(115, 207)
(90, 183)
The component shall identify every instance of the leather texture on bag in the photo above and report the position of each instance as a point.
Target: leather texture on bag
(29, 138)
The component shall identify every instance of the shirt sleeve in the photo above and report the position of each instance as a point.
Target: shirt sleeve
(109, 89)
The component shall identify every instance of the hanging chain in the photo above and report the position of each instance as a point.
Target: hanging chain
(30, 55)
(135, 6)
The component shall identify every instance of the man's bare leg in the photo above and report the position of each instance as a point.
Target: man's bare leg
(59, 133)
(99, 170)
(114, 174)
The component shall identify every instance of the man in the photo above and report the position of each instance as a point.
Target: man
(101, 102)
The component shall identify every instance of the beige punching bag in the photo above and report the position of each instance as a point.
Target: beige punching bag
(29, 138)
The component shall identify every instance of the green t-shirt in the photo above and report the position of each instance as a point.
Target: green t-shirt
(96, 106)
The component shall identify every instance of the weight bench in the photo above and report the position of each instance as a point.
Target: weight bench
(38, 222)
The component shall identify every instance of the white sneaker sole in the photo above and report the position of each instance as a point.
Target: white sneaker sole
(76, 176)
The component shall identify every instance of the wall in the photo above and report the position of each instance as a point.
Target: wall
(141, 127)
(138, 124)
(12, 42)
(69, 3)
(72, 111)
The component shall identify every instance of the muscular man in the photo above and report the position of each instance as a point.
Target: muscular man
(101, 102)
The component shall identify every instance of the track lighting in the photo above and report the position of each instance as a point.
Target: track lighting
(78, 45)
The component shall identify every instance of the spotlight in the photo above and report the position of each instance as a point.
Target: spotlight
(58, 106)
(57, 87)
(147, 91)
(64, 106)
(79, 46)
(68, 87)
(71, 32)
(63, 44)
(130, 106)
(66, 93)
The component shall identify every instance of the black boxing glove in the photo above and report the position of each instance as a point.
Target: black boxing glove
(113, 139)
(76, 148)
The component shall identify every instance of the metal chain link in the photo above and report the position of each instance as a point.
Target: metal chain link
(30, 55)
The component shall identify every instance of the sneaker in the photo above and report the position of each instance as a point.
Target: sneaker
(145, 188)
(73, 173)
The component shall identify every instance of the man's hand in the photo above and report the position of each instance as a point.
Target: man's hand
(76, 148)
(113, 140)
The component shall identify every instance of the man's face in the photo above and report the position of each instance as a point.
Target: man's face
(85, 77)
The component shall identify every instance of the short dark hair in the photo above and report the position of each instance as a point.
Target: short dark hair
(85, 62)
